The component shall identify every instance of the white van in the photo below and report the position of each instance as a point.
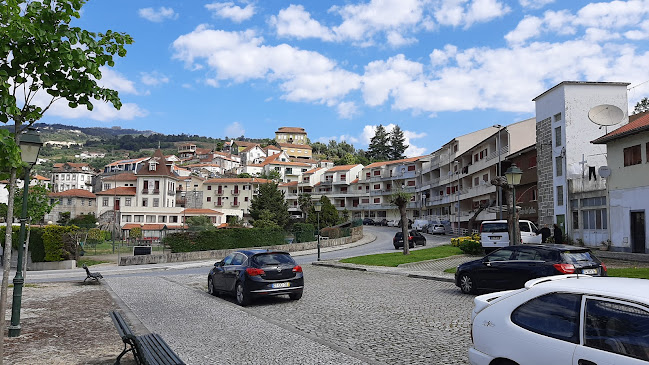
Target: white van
(419, 224)
(495, 234)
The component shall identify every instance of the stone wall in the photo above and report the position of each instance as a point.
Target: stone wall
(216, 255)
(545, 171)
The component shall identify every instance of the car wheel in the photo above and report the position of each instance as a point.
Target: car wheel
(467, 285)
(505, 362)
(424, 243)
(396, 247)
(210, 287)
(242, 296)
(295, 296)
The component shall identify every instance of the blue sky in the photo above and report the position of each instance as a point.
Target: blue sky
(437, 68)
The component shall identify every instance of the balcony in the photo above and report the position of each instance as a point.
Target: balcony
(156, 191)
(145, 191)
(326, 182)
(235, 192)
(218, 192)
(217, 204)
(171, 192)
(234, 204)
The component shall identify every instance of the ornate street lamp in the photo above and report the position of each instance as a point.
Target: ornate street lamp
(318, 208)
(513, 175)
(30, 145)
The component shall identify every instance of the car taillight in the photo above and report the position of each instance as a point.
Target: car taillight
(565, 268)
(252, 271)
(297, 268)
(604, 267)
(409, 238)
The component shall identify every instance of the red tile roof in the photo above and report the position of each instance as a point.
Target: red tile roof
(120, 190)
(637, 123)
(241, 180)
(201, 211)
(385, 163)
(342, 168)
(292, 183)
(39, 177)
(295, 130)
(77, 193)
(125, 176)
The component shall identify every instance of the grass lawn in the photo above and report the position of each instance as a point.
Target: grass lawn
(396, 258)
(106, 248)
(451, 270)
(89, 262)
(630, 272)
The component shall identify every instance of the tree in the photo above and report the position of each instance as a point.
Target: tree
(641, 106)
(401, 200)
(135, 233)
(266, 220)
(64, 218)
(398, 144)
(271, 175)
(200, 223)
(305, 203)
(272, 199)
(41, 52)
(328, 215)
(379, 148)
(244, 175)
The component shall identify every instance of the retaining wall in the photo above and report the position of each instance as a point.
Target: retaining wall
(216, 255)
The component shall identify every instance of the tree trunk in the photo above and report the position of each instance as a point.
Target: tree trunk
(404, 228)
(472, 220)
(6, 259)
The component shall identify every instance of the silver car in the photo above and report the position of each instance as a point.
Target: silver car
(436, 229)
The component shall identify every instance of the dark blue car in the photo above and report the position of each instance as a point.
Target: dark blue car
(249, 274)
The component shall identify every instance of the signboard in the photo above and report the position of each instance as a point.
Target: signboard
(141, 250)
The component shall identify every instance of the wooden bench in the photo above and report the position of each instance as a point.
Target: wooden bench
(91, 275)
(149, 349)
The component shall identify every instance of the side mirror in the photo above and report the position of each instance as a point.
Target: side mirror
(218, 263)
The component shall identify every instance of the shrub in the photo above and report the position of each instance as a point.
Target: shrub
(455, 242)
(304, 232)
(53, 242)
(224, 239)
(471, 247)
(335, 232)
(36, 248)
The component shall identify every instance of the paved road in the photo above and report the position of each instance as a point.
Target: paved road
(344, 317)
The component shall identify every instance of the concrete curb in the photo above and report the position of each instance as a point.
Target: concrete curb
(382, 270)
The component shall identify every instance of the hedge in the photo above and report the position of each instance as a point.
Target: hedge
(36, 249)
(304, 232)
(224, 239)
(55, 244)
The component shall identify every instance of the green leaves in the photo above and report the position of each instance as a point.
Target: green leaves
(9, 151)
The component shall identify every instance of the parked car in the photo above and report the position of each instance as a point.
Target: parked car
(435, 229)
(409, 223)
(567, 319)
(419, 224)
(368, 222)
(382, 222)
(414, 238)
(510, 267)
(393, 223)
(495, 234)
(249, 274)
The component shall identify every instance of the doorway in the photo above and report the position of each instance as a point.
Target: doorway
(638, 244)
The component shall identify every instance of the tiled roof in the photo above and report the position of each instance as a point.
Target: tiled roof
(161, 168)
(152, 226)
(295, 130)
(385, 163)
(132, 160)
(73, 165)
(125, 176)
(292, 183)
(342, 168)
(120, 190)
(355, 181)
(42, 178)
(637, 123)
(241, 180)
(291, 145)
(201, 211)
(290, 163)
(244, 143)
(272, 147)
(77, 193)
(249, 148)
(203, 151)
(312, 171)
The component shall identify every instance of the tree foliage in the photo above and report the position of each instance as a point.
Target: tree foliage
(38, 203)
(379, 148)
(270, 199)
(305, 203)
(398, 144)
(200, 223)
(641, 106)
(328, 215)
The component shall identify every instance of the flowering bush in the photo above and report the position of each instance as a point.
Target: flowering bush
(471, 247)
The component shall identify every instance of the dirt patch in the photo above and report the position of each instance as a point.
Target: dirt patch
(65, 323)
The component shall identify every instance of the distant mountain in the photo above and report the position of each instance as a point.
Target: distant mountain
(104, 133)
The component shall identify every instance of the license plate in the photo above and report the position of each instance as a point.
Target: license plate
(280, 285)
(589, 271)
(494, 237)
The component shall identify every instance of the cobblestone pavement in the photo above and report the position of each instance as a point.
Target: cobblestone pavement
(344, 317)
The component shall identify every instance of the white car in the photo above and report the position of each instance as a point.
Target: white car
(495, 234)
(393, 223)
(566, 319)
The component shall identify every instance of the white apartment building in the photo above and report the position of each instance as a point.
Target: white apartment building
(231, 196)
(69, 175)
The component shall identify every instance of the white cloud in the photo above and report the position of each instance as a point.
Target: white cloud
(104, 112)
(159, 15)
(242, 56)
(347, 110)
(294, 21)
(527, 28)
(395, 39)
(342, 138)
(412, 150)
(535, 4)
(230, 11)
(153, 78)
(114, 80)
(382, 78)
(466, 13)
(235, 130)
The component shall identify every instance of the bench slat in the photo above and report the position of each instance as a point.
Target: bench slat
(158, 349)
(122, 327)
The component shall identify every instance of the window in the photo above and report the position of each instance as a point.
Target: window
(485, 177)
(476, 181)
(575, 220)
(145, 202)
(411, 168)
(162, 219)
(156, 202)
(106, 186)
(245, 199)
(617, 327)
(594, 218)
(127, 218)
(554, 315)
(150, 218)
(104, 202)
(377, 172)
(535, 194)
(69, 201)
(127, 202)
(504, 254)
(558, 162)
(82, 177)
(593, 202)
(83, 202)
(411, 183)
(557, 136)
(532, 162)
(557, 117)
(209, 187)
(209, 198)
(377, 186)
(560, 195)
(90, 202)
(632, 155)
(475, 157)
(138, 218)
(647, 151)
(377, 200)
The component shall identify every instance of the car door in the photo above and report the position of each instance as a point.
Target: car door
(614, 332)
(232, 271)
(527, 263)
(218, 272)
(493, 272)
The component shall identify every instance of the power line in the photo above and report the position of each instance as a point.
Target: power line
(633, 87)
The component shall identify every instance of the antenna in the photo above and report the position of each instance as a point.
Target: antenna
(605, 115)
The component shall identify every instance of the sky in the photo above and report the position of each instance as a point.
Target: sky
(437, 68)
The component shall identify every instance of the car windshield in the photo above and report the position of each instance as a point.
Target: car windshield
(495, 227)
(272, 259)
(573, 257)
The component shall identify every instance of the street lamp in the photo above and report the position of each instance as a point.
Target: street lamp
(513, 175)
(30, 145)
(500, 192)
(318, 207)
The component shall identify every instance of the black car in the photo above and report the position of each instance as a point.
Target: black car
(415, 238)
(368, 222)
(382, 222)
(510, 267)
(409, 223)
(249, 274)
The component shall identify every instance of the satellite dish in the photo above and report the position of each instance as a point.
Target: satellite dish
(604, 171)
(605, 115)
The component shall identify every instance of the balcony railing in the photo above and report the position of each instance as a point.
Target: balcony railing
(234, 204)
(235, 192)
(218, 192)
(217, 204)
(145, 191)
(156, 191)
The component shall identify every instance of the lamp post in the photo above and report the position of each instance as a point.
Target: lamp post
(500, 191)
(513, 175)
(30, 145)
(318, 207)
